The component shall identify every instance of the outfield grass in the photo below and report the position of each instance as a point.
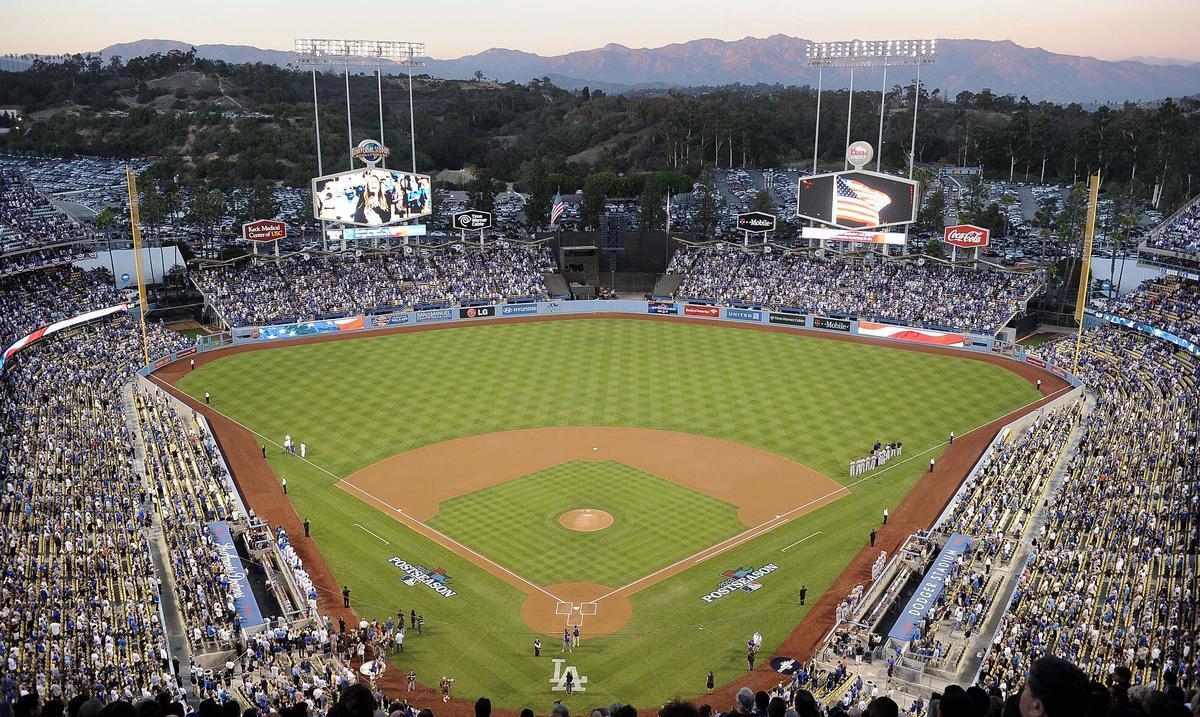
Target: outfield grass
(815, 401)
(655, 523)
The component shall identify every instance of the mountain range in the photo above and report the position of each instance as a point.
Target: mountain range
(1003, 66)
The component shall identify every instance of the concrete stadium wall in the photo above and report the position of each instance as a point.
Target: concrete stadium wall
(886, 331)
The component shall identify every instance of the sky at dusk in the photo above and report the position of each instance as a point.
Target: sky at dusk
(1107, 29)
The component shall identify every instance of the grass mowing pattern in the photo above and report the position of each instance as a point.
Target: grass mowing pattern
(655, 523)
(817, 401)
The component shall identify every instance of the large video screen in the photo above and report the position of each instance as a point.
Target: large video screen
(857, 199)
(371, 197)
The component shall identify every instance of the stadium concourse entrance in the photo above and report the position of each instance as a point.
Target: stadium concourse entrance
(612, 259)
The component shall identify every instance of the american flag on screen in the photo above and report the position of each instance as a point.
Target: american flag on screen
(557, 209)
(856, 203)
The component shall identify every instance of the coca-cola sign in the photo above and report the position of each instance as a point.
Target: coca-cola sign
(264, 230)
(967, 236)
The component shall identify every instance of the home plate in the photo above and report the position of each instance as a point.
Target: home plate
(595, 449)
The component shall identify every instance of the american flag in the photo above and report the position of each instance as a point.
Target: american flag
(557, 209)
(856, 203)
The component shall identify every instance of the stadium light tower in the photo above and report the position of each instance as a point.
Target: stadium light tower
(853, 54)
(362, 53)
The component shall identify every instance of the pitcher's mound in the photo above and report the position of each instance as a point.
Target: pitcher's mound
(586, 520)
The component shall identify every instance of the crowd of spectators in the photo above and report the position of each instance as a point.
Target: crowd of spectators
(930, 295)
(994, 505)
(191, 491)
(28, 220)
(1112, 579)
(80, 598)
(32, 300)
(1169, 303)
(297, 288)
(1182, 234)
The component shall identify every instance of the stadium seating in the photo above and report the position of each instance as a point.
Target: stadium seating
(1112, 581)
(1181, 233)
(1169, 303)
(27, 220)
(932, 295)
(297, 288)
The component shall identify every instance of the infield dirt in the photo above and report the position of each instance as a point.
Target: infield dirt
(260, 490)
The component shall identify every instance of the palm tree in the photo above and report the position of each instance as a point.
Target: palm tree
(1007, 201)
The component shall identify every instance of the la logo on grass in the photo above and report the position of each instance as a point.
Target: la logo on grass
(558, 683)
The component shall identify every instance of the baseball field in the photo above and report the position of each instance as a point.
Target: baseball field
(666, 486)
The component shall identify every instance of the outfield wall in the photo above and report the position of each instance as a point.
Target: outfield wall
(479, 314)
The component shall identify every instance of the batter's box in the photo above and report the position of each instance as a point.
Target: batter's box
(564, 608)
(589, 608)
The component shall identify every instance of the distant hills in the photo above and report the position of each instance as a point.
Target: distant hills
(1003, 66)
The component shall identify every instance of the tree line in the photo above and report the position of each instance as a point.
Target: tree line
(223, 125)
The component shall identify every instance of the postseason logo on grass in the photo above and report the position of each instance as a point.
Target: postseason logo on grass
(433, 578)
(744, 579)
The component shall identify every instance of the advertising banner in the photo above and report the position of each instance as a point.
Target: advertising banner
(264, 230)
(744, 314)
(57, 326)
(851, 235)
(661, 307)
(434, 315)
(967, 236)
(932, 584)
(308, 328)
(701, 310)
(756, 222)
(473, 220)
(371, 197)
(398, 231)
(1035, 361)
(905, 333)
(831, 324)
(477, 312)
(518, 309)
(789, 319)
(1156, 332)
(239, 584)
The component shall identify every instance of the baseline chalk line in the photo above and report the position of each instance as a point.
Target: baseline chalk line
(784, 550)
(375, 534)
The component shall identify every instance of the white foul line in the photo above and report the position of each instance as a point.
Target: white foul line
(784, 550)
(769, 525)
(406, 520)
(381, 539)
(707, 553)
